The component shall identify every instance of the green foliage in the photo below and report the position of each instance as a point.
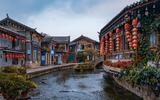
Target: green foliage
(147, 76)
(16, 69)
(13, 82)
(81, 56)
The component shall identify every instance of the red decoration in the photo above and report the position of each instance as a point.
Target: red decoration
(102, 46)
(134, 22)
(127, 26)
(106, 49)
(135, 34)
(111, 42)
(118, 39)
(128, 35)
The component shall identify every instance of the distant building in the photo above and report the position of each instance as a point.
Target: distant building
(12, 47)
(33, 39)
(81, 44)
(61, 49)
(48, 51)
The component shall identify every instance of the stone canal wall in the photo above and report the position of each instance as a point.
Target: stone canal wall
(137, 90)
(35, 72)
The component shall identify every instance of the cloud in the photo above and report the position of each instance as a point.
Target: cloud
(64, 18)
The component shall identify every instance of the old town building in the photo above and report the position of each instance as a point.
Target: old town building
(61, 49)
(120, 38)
(12, 47)
(83, 44)
(33, 40)
(48, 51)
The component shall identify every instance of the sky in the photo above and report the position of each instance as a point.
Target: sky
(64, 17)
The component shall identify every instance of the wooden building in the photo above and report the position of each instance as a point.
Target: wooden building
(61, 49)
(48, 51)
(82, 44)
(121, 37)
(12, 47)
(33, 39)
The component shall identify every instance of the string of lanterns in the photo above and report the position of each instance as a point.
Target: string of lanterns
(118, 39)
(106, 49)
(111, 42)
(10, 38)
(128, 34)
(14, 55)
(102, 46)
(135, 34)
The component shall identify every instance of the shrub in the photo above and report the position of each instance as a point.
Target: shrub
(14, 69)
(13, 82)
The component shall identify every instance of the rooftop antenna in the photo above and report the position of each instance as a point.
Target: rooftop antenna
(7, 15)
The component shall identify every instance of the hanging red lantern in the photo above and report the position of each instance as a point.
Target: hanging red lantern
(106, 49)
(111, 42)
(110, 34)
(14, 39)
(128, 35)
(134, 22)
(118, 30)
(102, 46)
(135, 33)
(127, 26)
(3, 35)
(7, 55)
(23, 55)
(0, 35)
(135, 37)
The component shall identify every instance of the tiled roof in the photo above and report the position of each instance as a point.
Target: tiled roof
(61, 39)
(48, 39)
(11, 31)
(20, 24)
(85, 38)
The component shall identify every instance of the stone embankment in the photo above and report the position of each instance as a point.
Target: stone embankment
(35, 72)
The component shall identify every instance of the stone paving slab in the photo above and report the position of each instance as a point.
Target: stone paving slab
(43, 68)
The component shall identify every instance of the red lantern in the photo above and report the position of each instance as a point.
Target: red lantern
(110, 34)
(106, 49)
(126, 26)
(127, 33)
(134, 30)
(135, 37)
(134, 22)
(118, 30)
(135, 33)
(128, 36)
(135, 41)
(14, 39)
(0, 35)
(3, 35)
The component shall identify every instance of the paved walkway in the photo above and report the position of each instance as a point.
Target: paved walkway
(43, 68)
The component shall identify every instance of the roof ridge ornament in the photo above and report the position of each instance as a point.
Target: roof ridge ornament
(7, 15)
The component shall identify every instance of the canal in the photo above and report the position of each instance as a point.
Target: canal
(68, 85)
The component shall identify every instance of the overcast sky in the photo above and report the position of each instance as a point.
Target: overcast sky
(64, 17)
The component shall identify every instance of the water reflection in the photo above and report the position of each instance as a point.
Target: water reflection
(68, 85)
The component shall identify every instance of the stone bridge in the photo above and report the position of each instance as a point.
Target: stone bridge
(97, 62)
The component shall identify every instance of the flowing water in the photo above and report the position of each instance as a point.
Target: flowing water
(68, 85)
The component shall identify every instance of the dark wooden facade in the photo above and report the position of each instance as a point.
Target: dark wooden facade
(139, 10)
(33, 39)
